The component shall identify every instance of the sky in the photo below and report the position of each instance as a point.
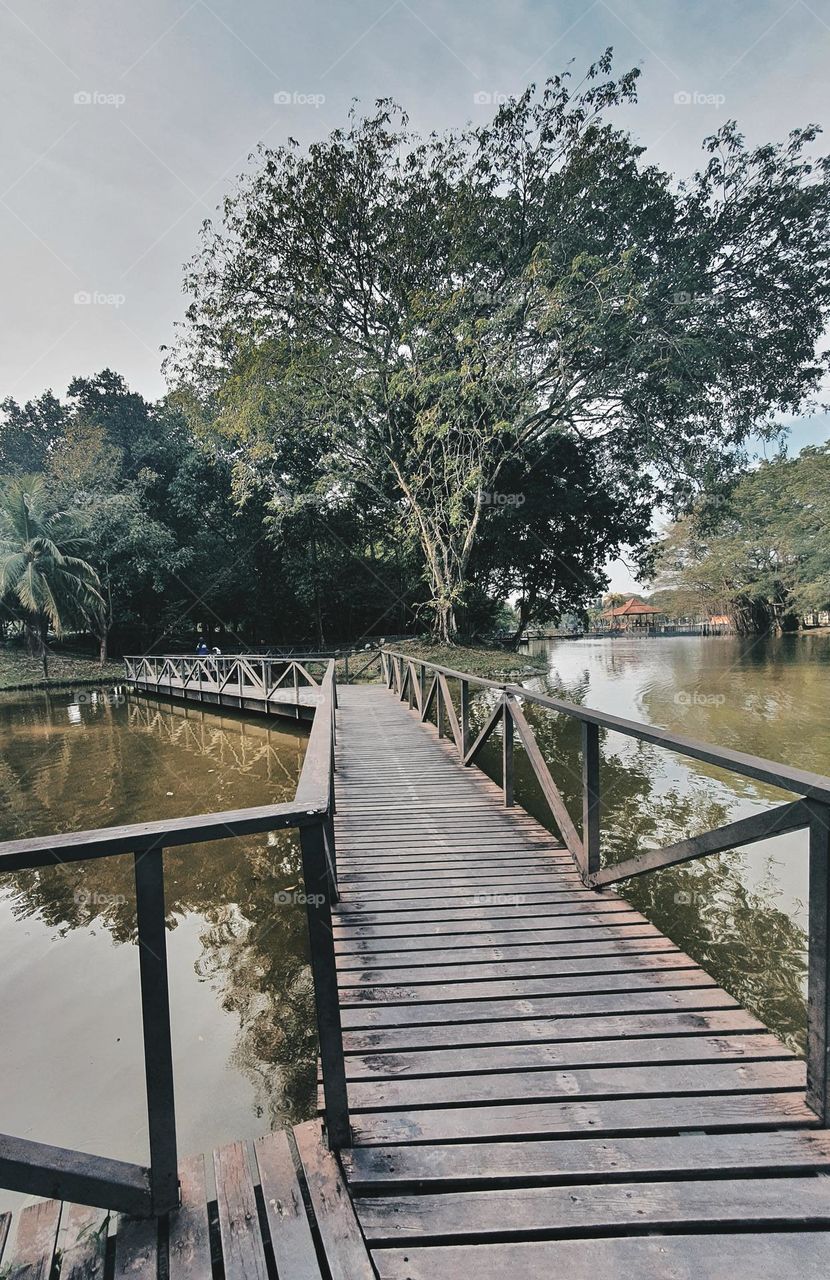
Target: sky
(124, 125)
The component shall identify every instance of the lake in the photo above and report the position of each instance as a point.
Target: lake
(741, 915)
(243, 1029)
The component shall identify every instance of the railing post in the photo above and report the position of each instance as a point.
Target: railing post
(465, 718)
(155, 1013)
(507, 750)
(439, 709)
(411, 670)
(590, 797)
(324, 973)
(818, 980)
(422, 680)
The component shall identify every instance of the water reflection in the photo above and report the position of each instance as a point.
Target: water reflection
(242, 1002)
(741, 915)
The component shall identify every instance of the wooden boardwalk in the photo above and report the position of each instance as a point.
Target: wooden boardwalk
(276, 1207)
(540, 1083)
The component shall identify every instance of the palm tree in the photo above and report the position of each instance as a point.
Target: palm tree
(41, 573)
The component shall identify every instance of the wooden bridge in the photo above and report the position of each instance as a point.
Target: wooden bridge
(520, 1076)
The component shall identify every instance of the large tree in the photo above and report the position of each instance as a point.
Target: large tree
(435, 309)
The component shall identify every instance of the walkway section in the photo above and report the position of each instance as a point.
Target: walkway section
(274, 1208)
(541, 1084)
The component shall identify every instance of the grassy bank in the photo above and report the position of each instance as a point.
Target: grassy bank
(18, 670)
(492, 664)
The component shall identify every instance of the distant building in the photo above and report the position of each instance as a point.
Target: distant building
(633, 616)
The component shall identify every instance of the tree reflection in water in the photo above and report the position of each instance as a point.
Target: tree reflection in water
(727, 919)
(72, 764)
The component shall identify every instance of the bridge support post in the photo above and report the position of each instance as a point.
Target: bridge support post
(465, 718)
(318, 887)
(155, 1014)
(590, 797)
(507, 751)
(818, 983)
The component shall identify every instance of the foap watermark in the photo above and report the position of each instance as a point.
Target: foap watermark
(689, 898)
(97, 98)
(296, 897)
(693, 98)
(99, 697)
(693, 698)
(285, 99)
(498, 899)
(95, 898)
(96, 298)
(483, 98)
(489, 499)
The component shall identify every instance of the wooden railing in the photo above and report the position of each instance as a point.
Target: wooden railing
(263, 677)
(424, 684)
(39, 1169)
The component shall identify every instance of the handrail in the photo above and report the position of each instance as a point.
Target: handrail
(37, 1169)
(407, 677)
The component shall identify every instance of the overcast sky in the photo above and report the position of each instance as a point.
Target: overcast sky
(124, 124)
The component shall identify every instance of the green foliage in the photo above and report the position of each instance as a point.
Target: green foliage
(427, 316)
(43, 577)
(762, 553)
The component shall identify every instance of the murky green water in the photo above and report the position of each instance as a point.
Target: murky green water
(242, 1004)
(742, 915)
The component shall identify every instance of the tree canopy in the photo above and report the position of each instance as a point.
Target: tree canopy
(428, 317)
(760, 554)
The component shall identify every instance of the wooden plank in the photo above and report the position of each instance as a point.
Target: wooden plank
(189, 1229)
(603, 1117)
(694, 994)
(35, 1241)
(136, 1249)
(677, 971)
(368, 965)
(613, 958)
(666, 1080)
(586, 1160)
(595, 1028)
(479, 915)
(288, 1223)
(571, 1054)
(432, 948)
(342, 1239)
(5, 1224)
(748, 1256)
(82, 1242)
(242, 1248)
(476, 1216)
(457, 932)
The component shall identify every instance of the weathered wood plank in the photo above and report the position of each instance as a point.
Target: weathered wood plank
(136, 1249)
(35, 1241)
(532, 1031)
(748, 1256)
(602, 1117)
(531, 1057)
(342, 1239)
(242, 1248)
(696, 987)
(677, 971)
(82, 1242)
(668, 1079)
(189, 1230)
(477, 1216)
(288, 1223)
(615, 957)
(587, 1160)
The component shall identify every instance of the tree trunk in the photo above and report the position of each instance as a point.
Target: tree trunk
(103, 640)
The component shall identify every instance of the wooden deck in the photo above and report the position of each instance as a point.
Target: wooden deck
(540, 1083)
(274, 1208)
